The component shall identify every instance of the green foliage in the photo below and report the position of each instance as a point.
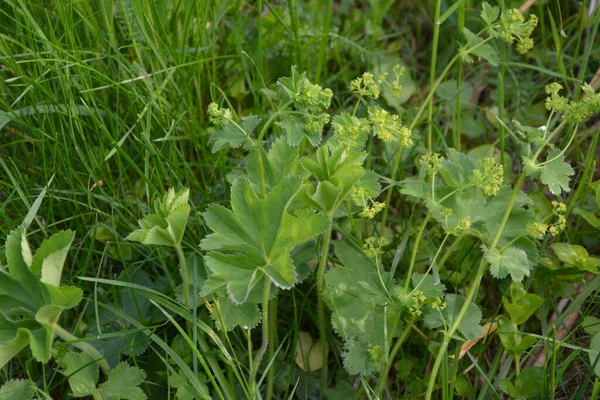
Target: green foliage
(166, 226)
(528, 384)
(16, 389)
(31, 297)
(522, 304)
(514, 342)
(255, 238)
(448, 314)
(122, 382)
(363, 313)
(511, 261)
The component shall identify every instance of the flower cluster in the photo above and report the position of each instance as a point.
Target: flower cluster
(348, 129)
(375, 353)
(537, 229)
(513, 28)
(573, 111)
(431, 161)
(395, 86)
(559, 209)
(361, 197)
(313, 98)
(365, 86)
(388, 127)
(373, 246)
(488, 177)
(217, 115)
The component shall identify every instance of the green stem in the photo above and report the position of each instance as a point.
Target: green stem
(321, 304)
(184, 275)
(83, 346)
(272, 119)
(474, 286)
(432, 68)
(324, 40)
(272, 345)
(386, 370)
(265, 334)
(413, 255)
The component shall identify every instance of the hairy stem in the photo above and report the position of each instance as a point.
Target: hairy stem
(395, 349)
(432, 68)
(474, 286)
(321, 304)
(184, 275)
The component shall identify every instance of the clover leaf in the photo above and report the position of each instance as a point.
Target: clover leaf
(255, 237)
(31, 299)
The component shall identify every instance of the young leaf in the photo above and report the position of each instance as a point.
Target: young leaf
(166, 226)
(476, 47)
(576, 256)
(469, 325)
(555, 174)
(511, 261)
(522, 304)
(513, 341)
(489, 14)
(16, 389)
(261, 232)
(234, 135)
(31, 300)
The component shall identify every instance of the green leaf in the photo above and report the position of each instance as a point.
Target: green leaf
(17, 389)
(166, 226)
(576, 256)
(293, 84)
(122, 382)
(246, 315)
(522, 304)
(469, 326)
(478, 48)
(513, 341)
(556, 173)
(489, 14)
(362, 312)
(588, 216)
(530, 382)
(34, 301)
(591, 324)
(234, 136)
(82, 373)
(594, 354)
(48, 262)
(428, 285)
(511, 261)
(258, 234)
(294, 129)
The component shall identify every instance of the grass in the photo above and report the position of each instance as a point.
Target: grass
(108, 100)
